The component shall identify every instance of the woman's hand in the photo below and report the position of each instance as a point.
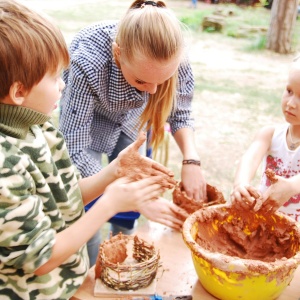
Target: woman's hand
(193, 182)
(164, 212)
(133, 165)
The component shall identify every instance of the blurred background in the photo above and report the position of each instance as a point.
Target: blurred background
(239, 77)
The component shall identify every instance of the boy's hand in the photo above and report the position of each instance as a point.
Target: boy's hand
(126, 195)
(133, 165)
(164, 212)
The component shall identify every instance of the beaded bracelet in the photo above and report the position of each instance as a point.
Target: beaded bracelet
(191, 162)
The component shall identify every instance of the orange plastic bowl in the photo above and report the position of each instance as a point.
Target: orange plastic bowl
(230, 277)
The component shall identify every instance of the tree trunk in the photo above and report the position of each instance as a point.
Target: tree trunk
(283, 20)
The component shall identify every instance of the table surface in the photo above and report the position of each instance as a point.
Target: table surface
(177, 275)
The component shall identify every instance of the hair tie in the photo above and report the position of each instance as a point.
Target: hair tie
(148, 3)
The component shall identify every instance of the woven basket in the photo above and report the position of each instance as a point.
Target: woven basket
(126, 263)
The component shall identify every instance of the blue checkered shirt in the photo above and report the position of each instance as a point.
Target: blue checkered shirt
(98, 103)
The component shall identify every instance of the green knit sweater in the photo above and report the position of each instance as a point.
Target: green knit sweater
(39, 196)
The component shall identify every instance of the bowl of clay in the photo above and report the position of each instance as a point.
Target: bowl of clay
(236, 256)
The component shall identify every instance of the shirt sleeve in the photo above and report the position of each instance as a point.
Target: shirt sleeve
(26, 236)
(181, 116)
(76, 118)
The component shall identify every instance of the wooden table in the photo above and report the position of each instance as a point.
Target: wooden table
(177, 275)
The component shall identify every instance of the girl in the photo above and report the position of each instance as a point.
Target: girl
(278, 147)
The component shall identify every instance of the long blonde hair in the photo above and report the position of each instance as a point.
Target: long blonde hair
(150, 29)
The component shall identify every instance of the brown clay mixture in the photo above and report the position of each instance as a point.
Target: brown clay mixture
(257, 234)
(264, 207)
(248, 235)
(180, 198)
(114, 251)
(136, 167)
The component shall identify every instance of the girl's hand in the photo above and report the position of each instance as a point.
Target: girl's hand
(133, 165)
(164, 212)
(280, 191)
(125, 195)
(245, 196)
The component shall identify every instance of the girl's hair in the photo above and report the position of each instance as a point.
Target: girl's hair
(150, 29)
(30, 46)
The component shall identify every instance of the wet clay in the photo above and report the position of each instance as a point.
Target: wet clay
(257, 233)
(135, 166)
(214, 196)
(114, 251)
(247, 235)
(269, 206)
(271, 176)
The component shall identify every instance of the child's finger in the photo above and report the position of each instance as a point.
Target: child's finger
(167, 180)
(162, 169)
(140, 140)
(150, 184)
(162, 179)
(123, 180)
(170, 221)
(179, 211)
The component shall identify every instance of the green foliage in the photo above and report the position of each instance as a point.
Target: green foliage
(258, 43)
(243, 22)
(194, 20)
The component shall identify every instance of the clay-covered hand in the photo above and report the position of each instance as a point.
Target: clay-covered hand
(124, 194)
(193, 182)
(165, 212)
(245, 196)
(135, 166)
(280, 191)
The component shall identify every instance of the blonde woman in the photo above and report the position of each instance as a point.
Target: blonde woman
(126, 76)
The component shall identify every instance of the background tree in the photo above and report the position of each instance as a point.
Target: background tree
(283, 20)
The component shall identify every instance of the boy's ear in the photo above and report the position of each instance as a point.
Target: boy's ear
(17, 93)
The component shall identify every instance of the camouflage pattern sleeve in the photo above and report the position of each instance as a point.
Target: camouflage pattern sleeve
(39, 196)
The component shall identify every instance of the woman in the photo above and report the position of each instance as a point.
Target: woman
(126, 76)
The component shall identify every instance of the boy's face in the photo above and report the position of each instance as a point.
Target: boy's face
(291, 96)
(43, 97)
